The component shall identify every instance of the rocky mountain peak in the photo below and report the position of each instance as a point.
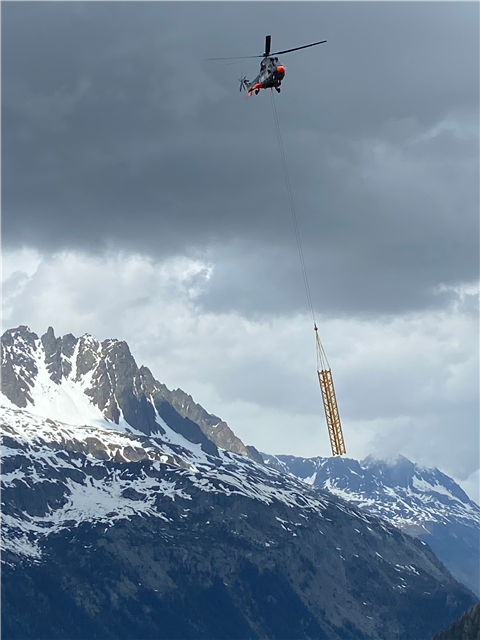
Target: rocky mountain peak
(68, 378)
(19, 369)
(58, 354)
(396, 471)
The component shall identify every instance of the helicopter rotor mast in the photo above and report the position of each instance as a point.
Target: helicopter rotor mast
(268, 40)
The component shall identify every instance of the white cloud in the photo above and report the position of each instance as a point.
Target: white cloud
(405, 384)
(471, 485)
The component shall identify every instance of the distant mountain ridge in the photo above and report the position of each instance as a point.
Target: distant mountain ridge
(425, 503)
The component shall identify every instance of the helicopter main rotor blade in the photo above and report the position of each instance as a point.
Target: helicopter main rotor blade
(268, 40)
(276, 53)
(236, 58)
(305, 46)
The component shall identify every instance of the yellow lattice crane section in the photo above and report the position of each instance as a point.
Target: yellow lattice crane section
(329, 400)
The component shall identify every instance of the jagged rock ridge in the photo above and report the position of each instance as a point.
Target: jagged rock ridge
(108, 378)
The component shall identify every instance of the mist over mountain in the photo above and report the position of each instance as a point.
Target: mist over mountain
(131, 512)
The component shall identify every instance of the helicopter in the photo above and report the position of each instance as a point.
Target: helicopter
(272, 71)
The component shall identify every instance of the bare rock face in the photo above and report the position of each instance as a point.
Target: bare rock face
(58, 352)
(18, 365)
(212, 426)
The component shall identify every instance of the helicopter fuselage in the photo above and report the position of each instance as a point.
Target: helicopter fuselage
(270, 76)
(272, 71)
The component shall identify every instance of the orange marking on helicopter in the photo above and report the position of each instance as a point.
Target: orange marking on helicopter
(281, 68)
(257, 86)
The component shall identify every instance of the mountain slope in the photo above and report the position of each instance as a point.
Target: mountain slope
(120, 535)
(467, 627)
(423, 502)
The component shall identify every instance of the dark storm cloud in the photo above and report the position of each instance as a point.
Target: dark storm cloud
(116, 132)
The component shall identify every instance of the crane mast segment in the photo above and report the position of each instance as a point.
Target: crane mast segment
(329, 400)
(331, 412)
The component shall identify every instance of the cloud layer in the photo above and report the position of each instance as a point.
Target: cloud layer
(118, 133)
(405, 384)
(143, 198)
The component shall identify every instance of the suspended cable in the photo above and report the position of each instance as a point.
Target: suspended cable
(292, 208)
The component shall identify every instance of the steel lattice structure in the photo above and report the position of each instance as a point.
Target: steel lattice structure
(329, 400)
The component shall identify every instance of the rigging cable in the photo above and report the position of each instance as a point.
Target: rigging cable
(323, 368)
(292, 208)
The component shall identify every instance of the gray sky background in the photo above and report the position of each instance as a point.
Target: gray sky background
(143, 199)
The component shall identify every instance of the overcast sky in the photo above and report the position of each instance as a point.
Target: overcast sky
(143, 198)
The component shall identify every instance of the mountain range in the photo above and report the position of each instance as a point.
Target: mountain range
(131, 512)
(423, 502)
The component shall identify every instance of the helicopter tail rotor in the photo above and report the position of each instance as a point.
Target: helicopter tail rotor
(243, 83)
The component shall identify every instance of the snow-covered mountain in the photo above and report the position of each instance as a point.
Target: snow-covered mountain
(122, 518)
(83, 381)
(127, 535)
(421, 501)
(52, 450)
